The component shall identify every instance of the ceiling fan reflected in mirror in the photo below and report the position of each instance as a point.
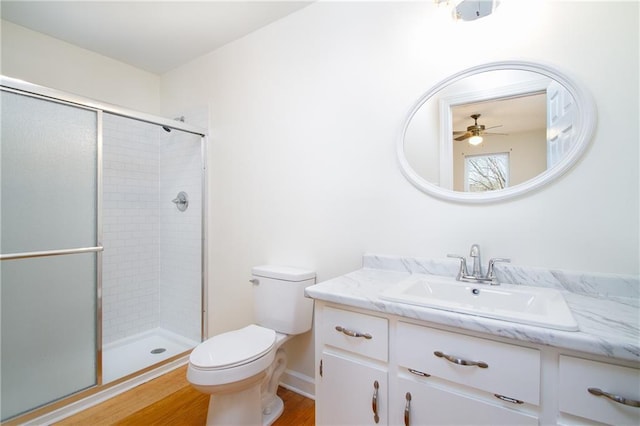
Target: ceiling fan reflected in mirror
(475, 132)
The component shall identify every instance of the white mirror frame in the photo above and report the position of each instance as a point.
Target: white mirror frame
(585, 124)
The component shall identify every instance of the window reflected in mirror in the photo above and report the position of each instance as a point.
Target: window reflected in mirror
(486, 172)
(515, 125)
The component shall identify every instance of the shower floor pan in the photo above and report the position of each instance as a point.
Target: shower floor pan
(134, 353)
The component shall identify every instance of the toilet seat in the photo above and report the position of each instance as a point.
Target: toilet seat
(234, 348)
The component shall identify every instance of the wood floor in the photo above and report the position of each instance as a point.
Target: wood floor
(170, 400)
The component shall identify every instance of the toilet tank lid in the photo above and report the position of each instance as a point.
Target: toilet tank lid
(282, 273)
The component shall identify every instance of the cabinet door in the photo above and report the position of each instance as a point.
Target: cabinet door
(348, 392)
(430, 405)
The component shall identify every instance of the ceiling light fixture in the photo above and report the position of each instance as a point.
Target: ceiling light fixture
(469, 10)
(447, 3)
(475, 140)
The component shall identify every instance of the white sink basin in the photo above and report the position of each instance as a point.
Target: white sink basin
(542, 307)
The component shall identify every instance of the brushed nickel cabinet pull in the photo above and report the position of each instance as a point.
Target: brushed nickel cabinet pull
(419, 373)
(407, 409)
(352, 333)
(508, 399)
(374, 402)
(615, 398)
(461, 361)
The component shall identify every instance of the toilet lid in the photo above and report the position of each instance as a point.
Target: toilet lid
(233, 348)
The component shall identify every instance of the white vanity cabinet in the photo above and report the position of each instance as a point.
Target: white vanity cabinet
(584, 386)
(352, 374)
(413, 372)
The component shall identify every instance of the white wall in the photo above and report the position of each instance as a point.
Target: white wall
(44, 60)
(305, 114)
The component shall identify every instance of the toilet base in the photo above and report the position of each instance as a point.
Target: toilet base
(270, 414)
(236, 409)
(236, 404)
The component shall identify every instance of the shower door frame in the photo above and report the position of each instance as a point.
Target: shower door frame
(47, 94)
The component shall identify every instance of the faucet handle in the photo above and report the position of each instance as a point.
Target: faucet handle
(491, 268)
(462, 272)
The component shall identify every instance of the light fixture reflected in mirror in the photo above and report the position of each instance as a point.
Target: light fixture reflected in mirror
(473, 134)
(475, 140)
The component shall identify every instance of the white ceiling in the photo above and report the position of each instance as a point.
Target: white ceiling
(155, 36)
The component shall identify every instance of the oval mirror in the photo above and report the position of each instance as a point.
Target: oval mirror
(495, 131)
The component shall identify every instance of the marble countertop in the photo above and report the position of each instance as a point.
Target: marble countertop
(609, 325)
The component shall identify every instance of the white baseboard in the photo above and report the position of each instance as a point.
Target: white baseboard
(299, 383)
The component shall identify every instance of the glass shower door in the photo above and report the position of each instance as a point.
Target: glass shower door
(49, 250)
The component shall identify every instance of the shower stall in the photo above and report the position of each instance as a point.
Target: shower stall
(102, 244)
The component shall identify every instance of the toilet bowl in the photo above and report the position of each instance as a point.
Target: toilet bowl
(241, 369)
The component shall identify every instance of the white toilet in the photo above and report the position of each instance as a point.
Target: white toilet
(241, 369)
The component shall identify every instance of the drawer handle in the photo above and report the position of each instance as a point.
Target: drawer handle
(407, 409)
(508, 399)
(418, 373)
(461, 361)
(374, 402)
(352, 333)
(616, 398)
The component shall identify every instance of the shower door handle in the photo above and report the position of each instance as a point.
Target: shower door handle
(47, 253)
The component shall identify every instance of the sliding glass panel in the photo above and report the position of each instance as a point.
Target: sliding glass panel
(48, 329)
(48, 159)
(48, 175)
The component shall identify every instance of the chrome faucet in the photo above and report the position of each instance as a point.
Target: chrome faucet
(476, 275)
(477, 263)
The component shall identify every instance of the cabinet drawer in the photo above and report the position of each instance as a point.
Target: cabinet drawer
(510, 370)
(578, 375)
(359, 333)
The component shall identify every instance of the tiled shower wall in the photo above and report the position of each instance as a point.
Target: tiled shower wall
(151, 259)
(181, 236)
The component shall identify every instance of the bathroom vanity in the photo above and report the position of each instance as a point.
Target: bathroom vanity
(383, 362)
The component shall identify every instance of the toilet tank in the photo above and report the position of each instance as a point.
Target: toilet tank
(279, 301)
